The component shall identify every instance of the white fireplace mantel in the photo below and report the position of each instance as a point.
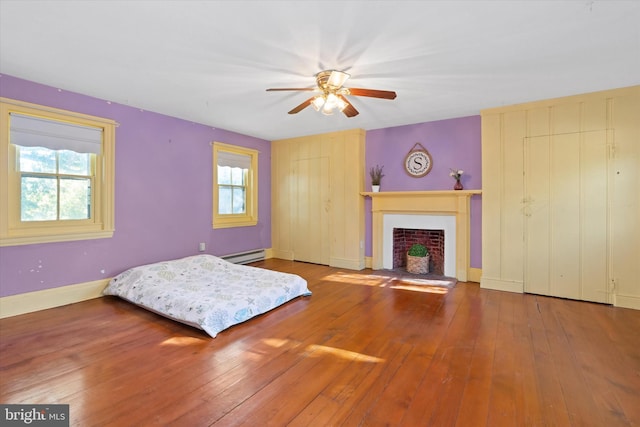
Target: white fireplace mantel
(456, 203)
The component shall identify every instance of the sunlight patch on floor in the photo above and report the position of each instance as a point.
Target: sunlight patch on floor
(359, 279)
(441, 290)
(268, 344)
(316, 350)
(433, 286)
(183, 341)
(323, 350)
(275, 342)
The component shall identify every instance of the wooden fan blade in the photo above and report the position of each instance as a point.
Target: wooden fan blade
(290, 88)
(350, 110)
(384, 94)
(302, 106)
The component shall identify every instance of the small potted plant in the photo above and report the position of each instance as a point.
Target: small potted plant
(376, 176)
(418, 259)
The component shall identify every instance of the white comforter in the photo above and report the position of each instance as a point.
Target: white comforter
(206, 291)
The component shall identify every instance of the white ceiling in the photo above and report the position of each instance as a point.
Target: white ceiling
(211, 61)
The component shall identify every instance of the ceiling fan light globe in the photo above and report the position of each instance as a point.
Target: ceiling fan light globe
(317, 103)
(337, 78)
(332, 101)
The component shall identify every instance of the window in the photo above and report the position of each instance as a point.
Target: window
(235, 186)
(58, 185)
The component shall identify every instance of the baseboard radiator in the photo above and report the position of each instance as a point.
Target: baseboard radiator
(245, 257)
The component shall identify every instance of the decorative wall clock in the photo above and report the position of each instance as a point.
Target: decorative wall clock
(418, 162)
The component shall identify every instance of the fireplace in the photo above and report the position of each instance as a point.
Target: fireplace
(444, 224)
(423, 210)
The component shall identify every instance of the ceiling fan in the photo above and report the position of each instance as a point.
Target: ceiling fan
(331, 94)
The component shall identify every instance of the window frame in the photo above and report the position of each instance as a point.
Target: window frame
(250, 217)
(14, 231)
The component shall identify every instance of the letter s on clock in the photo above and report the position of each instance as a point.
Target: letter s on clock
(418, 163)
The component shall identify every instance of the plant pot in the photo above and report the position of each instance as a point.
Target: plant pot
(418, 264)
(375, 188)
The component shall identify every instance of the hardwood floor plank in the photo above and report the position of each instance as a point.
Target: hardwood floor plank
(577, 398)
(528, 402)
(461, 339)
(351, 387)
(438, 341)
(394, 401)
(586, 334)
(371, 388)
(505, 383)
(367, 348)
(553, 407)
(474, 405)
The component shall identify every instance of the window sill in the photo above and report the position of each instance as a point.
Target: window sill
(32, 240)
(231, 224)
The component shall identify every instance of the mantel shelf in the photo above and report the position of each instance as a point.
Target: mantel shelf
(421, 193)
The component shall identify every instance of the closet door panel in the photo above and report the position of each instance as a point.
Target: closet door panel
(310, 222)
(300, 214)
(491, 207)
(512, 221)
(594, 222)
(282, 181)
(566, 237)
(537, 214)
(565, 216)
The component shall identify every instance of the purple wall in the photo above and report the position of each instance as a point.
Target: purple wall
(163, 198)
(453, 143)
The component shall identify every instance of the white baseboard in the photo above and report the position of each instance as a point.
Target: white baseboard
(627, 301)
(502, 285)
(14, 305)
(287, 255)
(350, 264)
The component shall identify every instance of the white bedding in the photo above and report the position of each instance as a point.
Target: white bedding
(206, 291)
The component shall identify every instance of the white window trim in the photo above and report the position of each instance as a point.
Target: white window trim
(15, 232)
(250, 218)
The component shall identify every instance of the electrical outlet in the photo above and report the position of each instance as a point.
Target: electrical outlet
(202, 246)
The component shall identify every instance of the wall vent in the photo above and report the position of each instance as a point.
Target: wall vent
(245, 257)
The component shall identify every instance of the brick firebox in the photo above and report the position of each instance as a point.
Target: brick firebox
(403, 238)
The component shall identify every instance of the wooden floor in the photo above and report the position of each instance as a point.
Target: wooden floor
(363, 350)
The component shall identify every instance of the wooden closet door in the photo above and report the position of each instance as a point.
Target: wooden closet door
(566, 221)
(310, 228)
